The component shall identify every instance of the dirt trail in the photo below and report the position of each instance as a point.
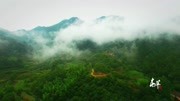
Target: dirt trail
(98, 74)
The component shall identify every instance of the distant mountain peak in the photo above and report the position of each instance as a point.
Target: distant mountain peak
(56, 27)
(74, 18)
(113, 17)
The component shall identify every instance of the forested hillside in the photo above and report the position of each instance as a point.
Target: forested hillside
(128, 65)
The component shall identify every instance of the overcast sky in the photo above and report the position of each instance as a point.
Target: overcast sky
(27, 14)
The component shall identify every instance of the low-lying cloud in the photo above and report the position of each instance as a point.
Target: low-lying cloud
(101, 30)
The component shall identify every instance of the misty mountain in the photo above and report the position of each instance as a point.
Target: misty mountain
(41, 37)
(61, 25)
(5, 34)
(70, 34)
(12, 50)
(49, 31)
(18, 46)
(57, 62)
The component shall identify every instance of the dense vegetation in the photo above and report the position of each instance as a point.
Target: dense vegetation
(129, 66)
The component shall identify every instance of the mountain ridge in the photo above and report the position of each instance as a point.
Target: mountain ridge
(56, 27)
